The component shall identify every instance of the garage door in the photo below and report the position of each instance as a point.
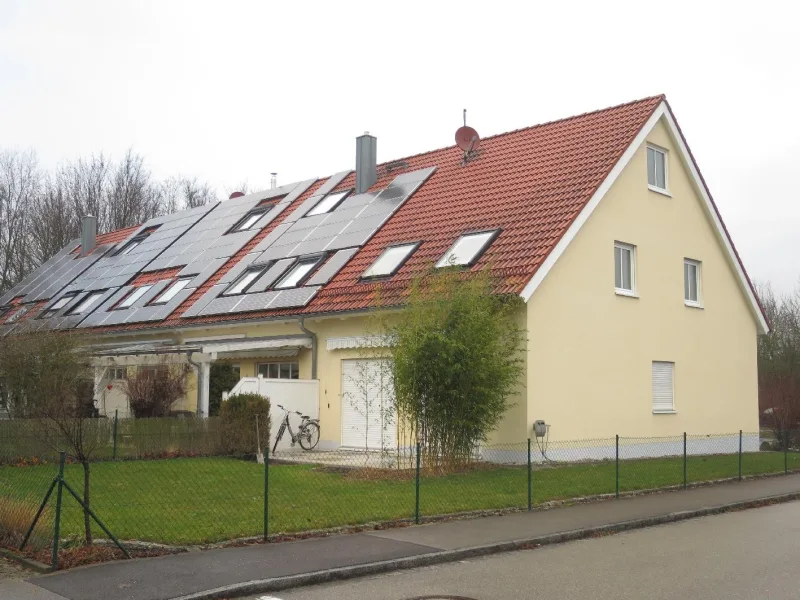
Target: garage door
(368, 416)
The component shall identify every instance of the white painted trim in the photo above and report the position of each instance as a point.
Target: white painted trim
(626, 293)
(586, 212)
(653, 188)
(698, 281)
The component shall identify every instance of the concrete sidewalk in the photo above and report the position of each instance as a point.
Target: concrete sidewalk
(231, 571)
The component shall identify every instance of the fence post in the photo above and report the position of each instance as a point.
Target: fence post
(740, 455)
(616, 461)
(530, 476)
(684, 460)
(266, 490)
(416, 508)
(786, 437)
(116, 416)
(62, 457)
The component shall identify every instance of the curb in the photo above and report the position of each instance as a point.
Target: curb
(33, 565)
(445, 556)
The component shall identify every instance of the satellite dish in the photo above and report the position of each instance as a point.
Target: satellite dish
(467, 139)
(235, 195)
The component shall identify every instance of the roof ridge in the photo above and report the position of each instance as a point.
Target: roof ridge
(661, 97)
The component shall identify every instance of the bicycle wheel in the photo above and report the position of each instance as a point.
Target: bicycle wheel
(309, 437)
(279, 436)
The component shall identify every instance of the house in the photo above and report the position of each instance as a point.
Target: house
(641, 318)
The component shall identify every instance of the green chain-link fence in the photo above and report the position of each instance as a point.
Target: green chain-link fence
(160, 485)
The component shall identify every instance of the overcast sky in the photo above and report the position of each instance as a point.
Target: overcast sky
(230, 91)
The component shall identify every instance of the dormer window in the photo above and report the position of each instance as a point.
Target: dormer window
(328, 203)
(468, 249)
(87, 303)
(656, 169)
(243, 282)
(172, 291)
(131, 298)
(298, 273)
(390, 260)
(249, 220)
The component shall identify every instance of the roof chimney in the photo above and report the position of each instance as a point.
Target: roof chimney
(88, 234)
(273, 180)
(366, 162)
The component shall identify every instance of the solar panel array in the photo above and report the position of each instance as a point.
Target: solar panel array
(344, 231)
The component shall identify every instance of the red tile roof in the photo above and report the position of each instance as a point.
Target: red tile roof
(531, 183)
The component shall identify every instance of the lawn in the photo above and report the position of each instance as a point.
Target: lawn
(197, 500)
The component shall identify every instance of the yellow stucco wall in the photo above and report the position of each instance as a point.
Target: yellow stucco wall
(590, 350)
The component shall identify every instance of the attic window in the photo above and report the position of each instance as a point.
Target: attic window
(390, 260)
(131, 298)
(87, 303)
(468, 249)
(656, 169)
(250, 219)
(328, 203)
(60, 303)
(243, 282)
(298, 273)
(172, 290)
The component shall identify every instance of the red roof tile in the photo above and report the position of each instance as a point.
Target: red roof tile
(530, 183)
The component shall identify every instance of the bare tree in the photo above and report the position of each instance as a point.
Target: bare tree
(20, 181)
(132, 198)
(48, 377)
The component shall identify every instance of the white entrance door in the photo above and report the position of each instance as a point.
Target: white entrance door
(368, 416)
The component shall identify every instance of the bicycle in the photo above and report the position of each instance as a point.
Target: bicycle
(307, 433)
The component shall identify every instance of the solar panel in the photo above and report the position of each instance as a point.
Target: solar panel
(332, 266)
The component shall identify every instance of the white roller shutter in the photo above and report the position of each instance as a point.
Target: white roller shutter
(663, 386)
(368, 419)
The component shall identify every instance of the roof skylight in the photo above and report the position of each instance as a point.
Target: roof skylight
(172, 291)
(87, 303)
(131, 298)
(249, 220)
(390, 260)
(467, 249)
(301, 269)
(328, 203)
(244, 280)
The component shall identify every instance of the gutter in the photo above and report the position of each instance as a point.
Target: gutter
(313, 337)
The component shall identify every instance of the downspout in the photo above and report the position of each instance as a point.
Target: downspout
(313, 337)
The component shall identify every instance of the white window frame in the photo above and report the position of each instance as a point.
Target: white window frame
(653, 186)
(661, 408)
(249, 220)
(633, 292)
(290, 280)
(294, 367)
(698, 278)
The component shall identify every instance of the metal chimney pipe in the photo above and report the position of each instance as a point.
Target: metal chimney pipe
(273, 181)
(88, 234)
(366, 162)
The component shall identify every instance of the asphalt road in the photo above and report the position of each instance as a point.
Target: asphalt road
(748, 554)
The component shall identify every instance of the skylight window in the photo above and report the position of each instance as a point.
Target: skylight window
(131, 298)
(249, 220)
(327, 204)
(60, 303)
(467, 249)
(390, 260)
(298, 273)
(16, 316)
(87, 303)
(241, 284)
(172, 291)
(135, 242)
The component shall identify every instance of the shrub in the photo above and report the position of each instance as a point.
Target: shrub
(238, 414)
(222, 379)
(153, 390)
